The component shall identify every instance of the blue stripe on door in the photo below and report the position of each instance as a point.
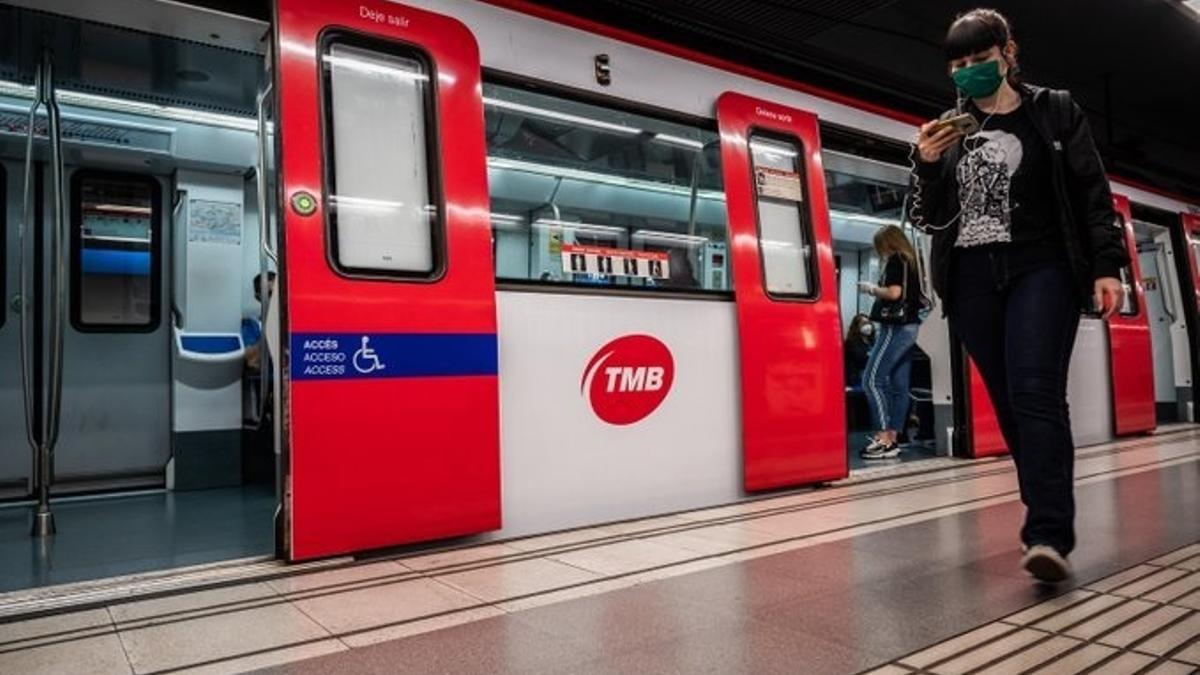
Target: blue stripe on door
(332, 356)
(106, 261)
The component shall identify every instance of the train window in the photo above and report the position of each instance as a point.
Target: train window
(584, 194)
(382, 211)
(784, 235)
(115, 248)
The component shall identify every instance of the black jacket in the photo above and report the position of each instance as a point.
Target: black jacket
(1095, 240)
(856, 351)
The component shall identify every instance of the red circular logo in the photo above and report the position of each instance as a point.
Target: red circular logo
(628, 378)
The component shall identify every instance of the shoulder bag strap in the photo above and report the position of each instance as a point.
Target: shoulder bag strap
(1060, 113)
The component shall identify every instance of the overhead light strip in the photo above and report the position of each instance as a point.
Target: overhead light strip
(503, 163)
(560, 116)
(121, 105)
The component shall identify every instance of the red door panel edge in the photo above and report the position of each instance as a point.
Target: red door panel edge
(411, 453)
(986, 439)
(1191, 250)
(1131, 354)
(793, 398)
(1191, 233)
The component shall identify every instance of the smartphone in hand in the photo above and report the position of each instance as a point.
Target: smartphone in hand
(966, 124)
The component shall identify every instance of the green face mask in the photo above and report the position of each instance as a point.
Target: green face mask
(979, 80)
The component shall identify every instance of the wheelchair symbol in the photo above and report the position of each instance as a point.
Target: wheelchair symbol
(365, 359)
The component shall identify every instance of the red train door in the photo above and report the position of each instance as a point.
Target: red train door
(793, 399)
(1189, 246)
(986, 439)
(1131, 351)
(391, 396)
(1191, 240)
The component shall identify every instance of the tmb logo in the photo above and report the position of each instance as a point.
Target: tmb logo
(628, 378)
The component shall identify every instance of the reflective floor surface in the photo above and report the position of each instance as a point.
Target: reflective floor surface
(113, 536)
(860, 576)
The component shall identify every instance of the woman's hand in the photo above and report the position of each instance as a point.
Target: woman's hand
(867, 288)
(253, 357)
(1109, 296)
(932, 140)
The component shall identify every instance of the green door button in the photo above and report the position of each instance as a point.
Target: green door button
(304, 203)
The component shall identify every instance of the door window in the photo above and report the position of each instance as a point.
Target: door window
(382, 213)
(784, 233)
(115, 253)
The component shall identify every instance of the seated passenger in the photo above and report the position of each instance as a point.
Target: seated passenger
(858, 342)
(253, 351)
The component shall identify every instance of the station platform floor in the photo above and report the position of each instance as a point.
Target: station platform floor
(893, 573)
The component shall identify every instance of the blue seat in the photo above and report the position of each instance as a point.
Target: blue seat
(251, 331)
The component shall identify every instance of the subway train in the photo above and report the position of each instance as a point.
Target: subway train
(533, 273)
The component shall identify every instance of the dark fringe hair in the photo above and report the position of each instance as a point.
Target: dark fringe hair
(976, 31)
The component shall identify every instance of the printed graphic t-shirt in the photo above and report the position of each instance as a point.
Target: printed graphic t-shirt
(1005, 184)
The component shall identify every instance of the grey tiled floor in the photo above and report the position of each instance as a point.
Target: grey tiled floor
(829, 581)
(1146, 618)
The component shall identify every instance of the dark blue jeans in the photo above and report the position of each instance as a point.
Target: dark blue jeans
(1019, 324)
(885, 380)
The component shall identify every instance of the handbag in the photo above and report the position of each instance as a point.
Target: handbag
(896, 311)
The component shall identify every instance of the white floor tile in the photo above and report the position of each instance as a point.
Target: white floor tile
(624, 557)
(162, 644)
(384, 605)
(496, 583)
(99, 655)
(345, 578)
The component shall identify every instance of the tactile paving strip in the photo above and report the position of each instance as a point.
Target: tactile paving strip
(1145, 619)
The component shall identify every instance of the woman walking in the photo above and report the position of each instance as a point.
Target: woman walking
(897, 311)
(1023, 238)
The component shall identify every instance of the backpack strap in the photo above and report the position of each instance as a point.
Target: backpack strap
(1060, 114)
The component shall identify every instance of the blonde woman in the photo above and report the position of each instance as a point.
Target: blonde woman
(897, 312)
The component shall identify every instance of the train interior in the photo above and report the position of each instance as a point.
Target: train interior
(566, 174)
(164, 453)
(866, 194)
(1163, 267)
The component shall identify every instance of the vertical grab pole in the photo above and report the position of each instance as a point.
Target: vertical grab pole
(43, 520)
(265, 252)
(30, 372)
(263, 215)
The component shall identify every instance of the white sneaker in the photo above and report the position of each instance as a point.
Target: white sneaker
(1046, 564)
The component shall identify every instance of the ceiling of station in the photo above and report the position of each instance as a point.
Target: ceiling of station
(1133, 65)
